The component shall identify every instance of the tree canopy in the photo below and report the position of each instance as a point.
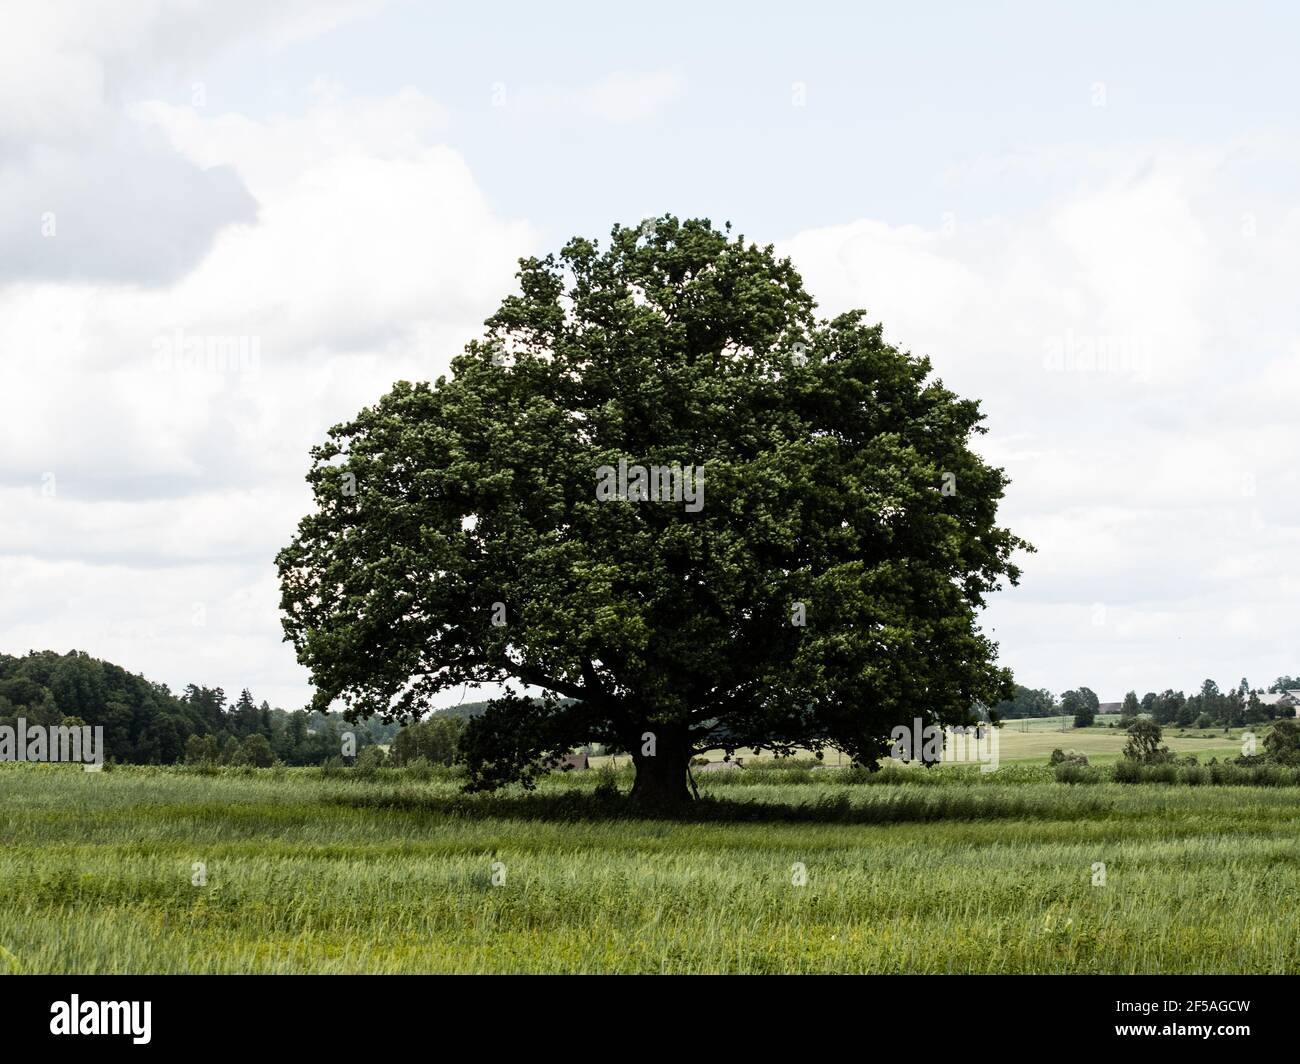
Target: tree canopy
(825, 589)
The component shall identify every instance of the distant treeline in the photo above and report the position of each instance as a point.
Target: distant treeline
(1208, 707)
(145, 723)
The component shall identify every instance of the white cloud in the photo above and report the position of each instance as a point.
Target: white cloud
(1158, 479)
(374, 257)
(85, 192)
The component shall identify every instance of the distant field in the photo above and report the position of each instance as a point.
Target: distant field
(949, 871)
(1034, 738)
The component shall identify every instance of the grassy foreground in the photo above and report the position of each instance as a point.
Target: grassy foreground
(946, 871)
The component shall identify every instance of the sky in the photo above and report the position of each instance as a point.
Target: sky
(1087, 216)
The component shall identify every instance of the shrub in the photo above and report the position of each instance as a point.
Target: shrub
(1161, 772)
(1127, 771)
(419, 769)
(606, 782)
(855, 774)
(1224, 773)
(1282, 743)
(1272, 776)
(369, 761)
(1074, 772)
(1061, 757)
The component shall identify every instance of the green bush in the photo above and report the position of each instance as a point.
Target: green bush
(419, 769)
(1223, 774)
(1127, 771)
(1282, 743)
(1073, 772)
(1062, 757)
(369, 761)
(606, 782)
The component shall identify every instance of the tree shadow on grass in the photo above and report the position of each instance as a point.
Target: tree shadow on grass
(873, 808)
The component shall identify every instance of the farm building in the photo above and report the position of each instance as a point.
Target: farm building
(1284, 699)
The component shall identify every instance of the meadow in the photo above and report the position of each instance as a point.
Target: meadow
(775, 870)
(1033, 739)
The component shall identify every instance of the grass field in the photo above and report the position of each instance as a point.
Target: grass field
(1040, 736)
(1033, 740)
(944, 871)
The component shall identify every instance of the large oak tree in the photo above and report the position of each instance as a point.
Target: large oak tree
(826, 590)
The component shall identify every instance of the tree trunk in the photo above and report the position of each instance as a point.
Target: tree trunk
(661, 779)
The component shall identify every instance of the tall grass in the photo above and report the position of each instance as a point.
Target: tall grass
(924, 871)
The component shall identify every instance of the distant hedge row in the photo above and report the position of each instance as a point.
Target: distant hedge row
(1223, 774)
